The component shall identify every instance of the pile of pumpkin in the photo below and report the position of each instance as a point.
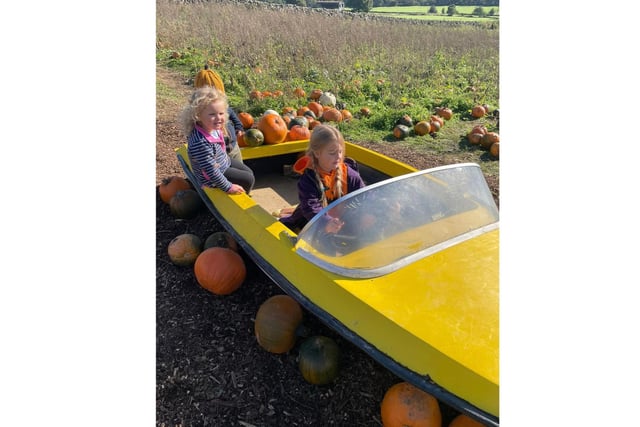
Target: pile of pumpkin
(183, 200)
(402, 127)
(292, 124)
(479, 135)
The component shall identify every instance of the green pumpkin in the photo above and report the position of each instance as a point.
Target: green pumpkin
(254, 137)
(221, 239)
(401, 131)
(318, 360)
(300, 121)
(186, 204)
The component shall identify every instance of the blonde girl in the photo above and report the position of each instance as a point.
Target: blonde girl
(328, 177)
(203, 122)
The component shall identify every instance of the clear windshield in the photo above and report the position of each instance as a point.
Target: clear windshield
(387, 225)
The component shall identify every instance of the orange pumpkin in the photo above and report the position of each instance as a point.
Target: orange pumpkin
(331, 115)
(406, 405)
(277, 322)
(299, 92)
(316, 107)
(277, 93)
(246, 119)
(422, 128)
(488, 139)
(220, 270)
(170, 186)
(298, 133)
(481, 129)
(463, 420)
(266, 94)
(273, 127)
(494, 150)
(474, 138)
(444, 112)
(255, 94)
(286, 110)
(300, 111)
(478, 111)
(346, 115)
(241, 141)
(315, 94)
(365, 111)
(184, 249)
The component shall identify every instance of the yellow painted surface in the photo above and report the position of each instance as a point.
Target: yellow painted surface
(437, 317)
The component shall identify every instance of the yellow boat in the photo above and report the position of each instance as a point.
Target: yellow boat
(412, 278)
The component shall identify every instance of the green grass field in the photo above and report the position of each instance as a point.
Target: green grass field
(465, 13)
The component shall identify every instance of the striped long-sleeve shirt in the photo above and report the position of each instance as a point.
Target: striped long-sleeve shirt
(208, 160)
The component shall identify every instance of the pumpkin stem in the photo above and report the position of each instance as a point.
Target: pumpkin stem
(206, 66)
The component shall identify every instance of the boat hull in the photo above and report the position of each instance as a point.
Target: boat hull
(451, 295)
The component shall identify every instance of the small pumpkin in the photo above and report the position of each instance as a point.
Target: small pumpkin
(276, 323)
(299, 121)
(494, 150)
(255, 94)
(346, 115)
(277, 93)
(401, 131)
(331, 115)
(478, 111)
(437, 118)
(184, 249)
(481, 129)
(246, 119)
(404, 404)
(365, 111)
(221, 239)
(169, 186)
(299, 92)
(207, 77)
(253, 137)
(488, 139)
(463, 420)
(444, 112)
(267, 94)
(422, 128)
(310, 115)
(288, 109)
(316, 107)
(273, 127)
(301, 110)
(405, 120)
(186, 204)
(315, 94)
(435, 125)
(220, 270)
(298, 133)
(318, 360)
(475, 138)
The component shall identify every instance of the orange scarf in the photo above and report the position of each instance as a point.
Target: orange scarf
(329, 179)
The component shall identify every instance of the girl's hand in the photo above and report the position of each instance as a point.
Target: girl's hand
(334, 225)
(235, 189)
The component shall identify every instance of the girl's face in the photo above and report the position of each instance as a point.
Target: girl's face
(329, 157)
(212, 117)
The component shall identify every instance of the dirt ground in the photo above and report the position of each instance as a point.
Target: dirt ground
(210, 370)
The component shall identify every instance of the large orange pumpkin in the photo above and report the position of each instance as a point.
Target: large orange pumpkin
(170, 186)
(220, 270)
(478, 111)
(406, 405)
(277, 322)
(463, 420)
(273, 127)
(422, 128)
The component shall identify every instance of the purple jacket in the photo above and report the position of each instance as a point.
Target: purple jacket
(310, 196)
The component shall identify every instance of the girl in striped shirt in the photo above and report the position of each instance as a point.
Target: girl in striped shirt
(203, 122)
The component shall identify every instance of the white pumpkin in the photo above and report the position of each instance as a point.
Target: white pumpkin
(267, 112)
(327, 98)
